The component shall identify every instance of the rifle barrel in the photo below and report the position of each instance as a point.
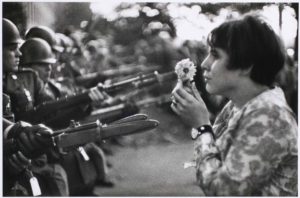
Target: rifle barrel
(75, 128)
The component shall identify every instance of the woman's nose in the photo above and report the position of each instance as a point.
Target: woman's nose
(205, 64)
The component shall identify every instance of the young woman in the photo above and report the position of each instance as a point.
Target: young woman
(251, 149)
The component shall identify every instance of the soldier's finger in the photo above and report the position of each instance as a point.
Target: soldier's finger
(23, 159)
(16, 167)
(25, 141)
(34, 141)
(92, 96)
(43, 142)
(99, 95)
(105, 95)
(16, 162)
(24, 149)
(43, 130)
(173, 107)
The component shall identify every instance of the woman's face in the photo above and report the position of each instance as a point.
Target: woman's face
(219, 80)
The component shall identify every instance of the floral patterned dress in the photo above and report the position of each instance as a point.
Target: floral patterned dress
(255, 151)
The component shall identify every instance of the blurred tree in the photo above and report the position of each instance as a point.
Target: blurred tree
(134, 27)
(214, 8)
(295, 6)
(72, 13)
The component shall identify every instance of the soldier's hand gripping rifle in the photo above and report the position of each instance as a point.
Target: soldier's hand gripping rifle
(48, 109)
(80, 134)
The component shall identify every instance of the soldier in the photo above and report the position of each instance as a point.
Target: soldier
(37, 55)
(25, 89)
(61, 69)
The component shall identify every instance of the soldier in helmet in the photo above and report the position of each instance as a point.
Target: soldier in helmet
(37, 55)
(25, 89)
(61, 68)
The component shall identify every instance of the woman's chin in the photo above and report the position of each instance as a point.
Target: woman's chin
(209, 89)
(212, 90)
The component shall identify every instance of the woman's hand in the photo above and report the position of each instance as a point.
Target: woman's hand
(188, 104)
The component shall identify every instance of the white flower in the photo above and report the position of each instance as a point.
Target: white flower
(185, 70)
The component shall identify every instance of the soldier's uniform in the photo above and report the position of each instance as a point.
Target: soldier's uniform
(82, 173)
(61, 119)
(32, 57)
(11, 186)
(25, 90)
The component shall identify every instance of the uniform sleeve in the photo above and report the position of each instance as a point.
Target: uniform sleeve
(7, 125)
(256, 147)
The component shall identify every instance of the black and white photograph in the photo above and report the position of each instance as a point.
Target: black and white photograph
(149, 98)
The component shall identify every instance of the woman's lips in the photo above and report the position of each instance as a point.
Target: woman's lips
(206, 79)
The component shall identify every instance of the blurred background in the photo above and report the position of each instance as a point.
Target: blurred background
(145, 37)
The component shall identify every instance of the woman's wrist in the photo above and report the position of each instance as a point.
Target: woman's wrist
(202, 130)
(201, 123)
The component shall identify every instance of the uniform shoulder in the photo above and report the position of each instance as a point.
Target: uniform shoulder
(27, 71)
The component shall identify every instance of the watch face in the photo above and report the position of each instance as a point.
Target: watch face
(194, 133)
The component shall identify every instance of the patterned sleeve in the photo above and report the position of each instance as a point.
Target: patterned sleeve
(255, 148)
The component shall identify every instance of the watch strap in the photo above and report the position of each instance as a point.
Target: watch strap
(205, 129)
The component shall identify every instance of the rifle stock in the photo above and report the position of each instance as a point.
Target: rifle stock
(45, 110)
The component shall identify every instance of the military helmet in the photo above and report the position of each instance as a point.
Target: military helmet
(45, 33)
(11, 34)
(36, 50)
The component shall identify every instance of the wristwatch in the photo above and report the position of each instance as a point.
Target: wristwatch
(196, 132)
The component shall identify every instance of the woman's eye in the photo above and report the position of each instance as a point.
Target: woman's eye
(214, 54)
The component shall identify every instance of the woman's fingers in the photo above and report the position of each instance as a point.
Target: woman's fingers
(196, 92)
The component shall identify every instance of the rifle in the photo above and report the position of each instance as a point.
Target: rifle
(80, 134)
(115, 112)
(92, 79)
(48, 109)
